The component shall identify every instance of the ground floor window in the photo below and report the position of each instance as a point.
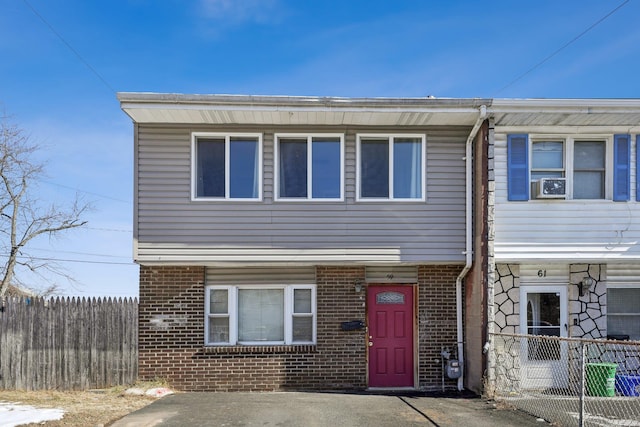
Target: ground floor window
(260, 315)
(623, 311)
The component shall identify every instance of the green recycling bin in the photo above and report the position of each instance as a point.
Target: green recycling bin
(601, 379)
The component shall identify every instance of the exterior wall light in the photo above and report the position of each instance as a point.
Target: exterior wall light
(358, 286)
(585, 285)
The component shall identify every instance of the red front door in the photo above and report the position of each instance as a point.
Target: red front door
(390, 322)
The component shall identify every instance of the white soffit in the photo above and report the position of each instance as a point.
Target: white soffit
(273, 110)
(566, 112)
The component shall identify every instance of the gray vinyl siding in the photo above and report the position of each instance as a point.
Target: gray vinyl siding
(173, 228)
(392, 274)
(261, 276)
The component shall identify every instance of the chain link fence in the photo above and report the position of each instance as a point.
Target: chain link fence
(568, 382)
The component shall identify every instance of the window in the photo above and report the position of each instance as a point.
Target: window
(547, 159)
(391, 167)
(310, 167)
(589, 160)
(594, 168)
(260, 315)
(623, 311)
(227, 166)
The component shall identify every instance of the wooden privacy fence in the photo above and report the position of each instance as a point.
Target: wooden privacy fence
(68, 344)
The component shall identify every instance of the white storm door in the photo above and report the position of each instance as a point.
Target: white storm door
(543, 312)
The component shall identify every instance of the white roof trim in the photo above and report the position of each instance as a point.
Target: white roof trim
(291, 110)
(565, 103)
(286, 110)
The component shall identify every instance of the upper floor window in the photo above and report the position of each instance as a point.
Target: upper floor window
(260, 315)
(226, 166)
(585, 168)
(589, 169)
(309, 167)
(391, 167)
(547, 159)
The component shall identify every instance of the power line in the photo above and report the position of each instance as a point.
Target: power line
(80, 261)
(77, 54)
(563, 47)
(108, 229)
(87, 192)
(78, 253)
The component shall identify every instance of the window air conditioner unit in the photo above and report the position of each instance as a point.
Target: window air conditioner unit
(551, 188)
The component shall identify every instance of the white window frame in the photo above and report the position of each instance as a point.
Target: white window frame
(390, 138)
(227, 139)
(568, 149)
(232, 294)
(309, 137)
(562, 170)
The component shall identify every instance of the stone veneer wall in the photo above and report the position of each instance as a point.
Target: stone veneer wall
(587, 311)
(590, 310)
(506, 299)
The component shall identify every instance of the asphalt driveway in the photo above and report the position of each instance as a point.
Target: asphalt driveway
(322, 409)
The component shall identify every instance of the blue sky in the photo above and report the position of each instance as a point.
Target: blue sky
(62, 62)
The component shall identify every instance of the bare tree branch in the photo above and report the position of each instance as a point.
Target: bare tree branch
(22, 215)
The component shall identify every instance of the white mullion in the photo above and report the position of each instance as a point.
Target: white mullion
(608, 168)
(391, 141)
(569, 167)
(194, 166)
(358, 168)
(227, 163)
(564, 158)
(423, 167)
(232, 304)
(314, 319)
(276, 167)
(309, 167)
(260, 142)
(342, 190)
(207, 313)
(288, 314)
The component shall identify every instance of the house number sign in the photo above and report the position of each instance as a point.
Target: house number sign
(542, 273)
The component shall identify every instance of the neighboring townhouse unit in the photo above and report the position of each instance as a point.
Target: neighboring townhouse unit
(305, 243)
(563, 256)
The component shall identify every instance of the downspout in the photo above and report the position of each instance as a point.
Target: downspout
(469, 237)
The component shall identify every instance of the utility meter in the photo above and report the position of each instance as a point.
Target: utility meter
(453, 369)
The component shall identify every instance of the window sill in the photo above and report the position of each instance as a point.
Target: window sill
(307, 200)
(252, 349)
(576, 201)
(224, 200)
(376, 200)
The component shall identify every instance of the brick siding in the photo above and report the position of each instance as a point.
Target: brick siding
(437, 328)
(171, 335)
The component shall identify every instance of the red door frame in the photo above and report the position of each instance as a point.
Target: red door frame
(391, 336)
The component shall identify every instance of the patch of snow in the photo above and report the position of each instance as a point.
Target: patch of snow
(134, 391)
(15, 414)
